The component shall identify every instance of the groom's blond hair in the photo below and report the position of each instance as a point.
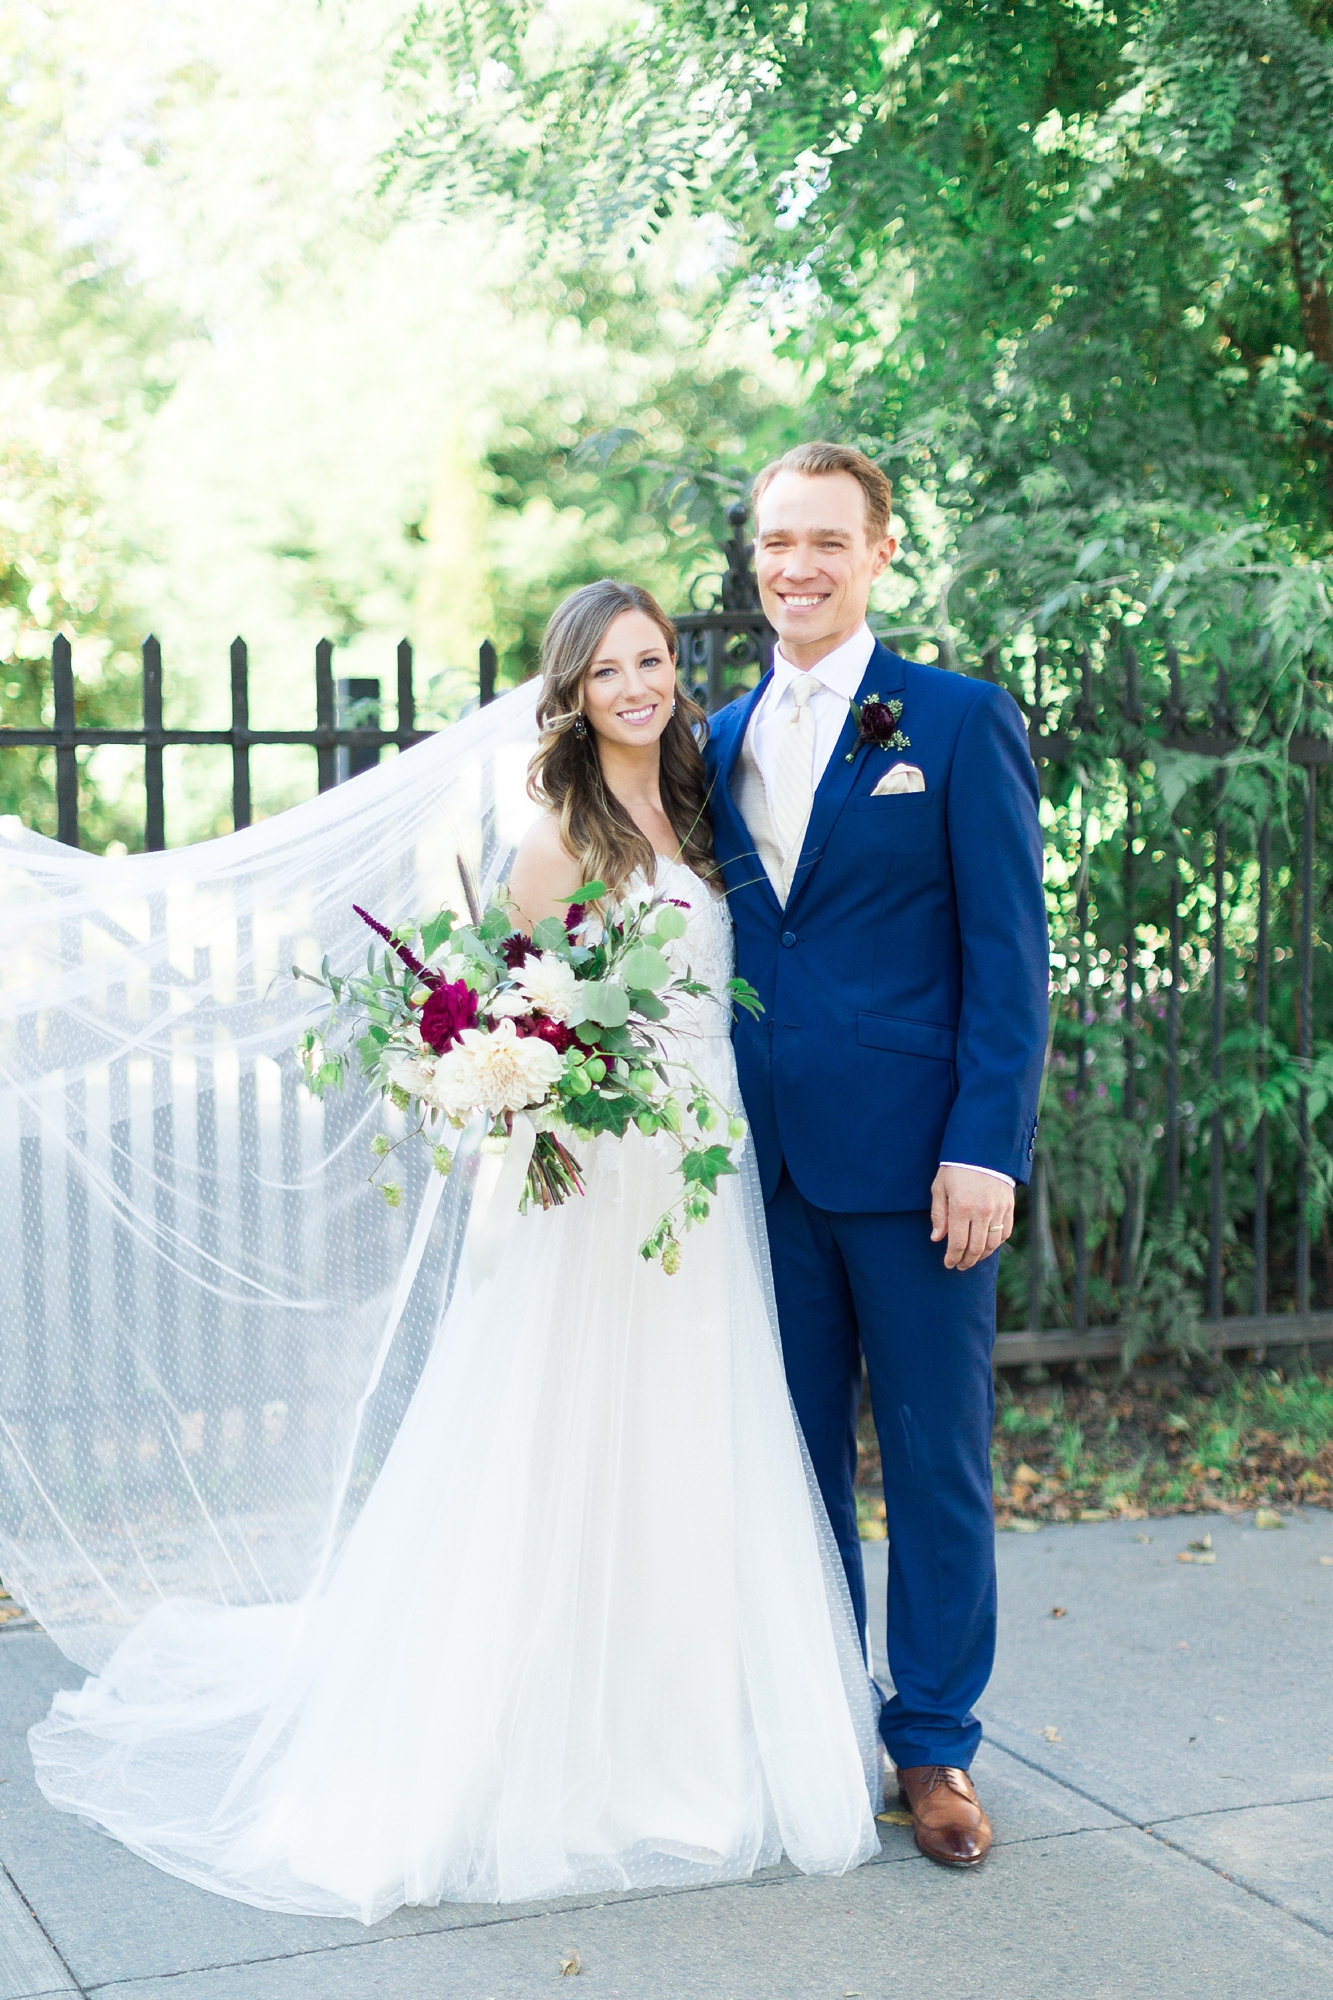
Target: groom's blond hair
(817, 460)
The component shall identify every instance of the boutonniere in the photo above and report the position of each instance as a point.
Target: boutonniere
(877, 722)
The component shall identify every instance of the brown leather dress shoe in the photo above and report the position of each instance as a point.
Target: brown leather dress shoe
(947, 1821)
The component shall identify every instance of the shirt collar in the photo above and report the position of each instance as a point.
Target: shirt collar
(842, 670)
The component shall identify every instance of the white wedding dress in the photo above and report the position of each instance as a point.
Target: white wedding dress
(589, 1630)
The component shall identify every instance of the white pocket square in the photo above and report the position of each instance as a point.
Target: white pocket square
(899, 778)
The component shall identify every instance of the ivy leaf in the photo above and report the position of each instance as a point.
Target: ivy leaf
(704, 1167)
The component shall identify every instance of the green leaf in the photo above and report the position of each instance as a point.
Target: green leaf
(605, 1000)
(550, 935)
(648, 1004)
(670, 923)
(591, 892)
(703, 1167)
(434, 933)
(743, 995)
(645, 967)
(496, 924)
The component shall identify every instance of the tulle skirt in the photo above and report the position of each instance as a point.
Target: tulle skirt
(588, 1631)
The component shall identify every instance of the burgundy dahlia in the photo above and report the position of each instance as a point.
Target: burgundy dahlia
(574, 916)
(450, 1009)
(546, 1030)
(515, 948)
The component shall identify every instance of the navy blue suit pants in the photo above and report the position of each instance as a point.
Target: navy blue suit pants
(849, 1285)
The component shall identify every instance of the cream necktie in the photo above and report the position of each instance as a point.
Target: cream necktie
(794, 791)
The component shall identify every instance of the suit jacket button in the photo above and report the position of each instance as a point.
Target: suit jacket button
(789, 937)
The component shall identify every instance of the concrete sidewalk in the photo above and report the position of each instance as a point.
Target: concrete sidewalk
(1158, 1766)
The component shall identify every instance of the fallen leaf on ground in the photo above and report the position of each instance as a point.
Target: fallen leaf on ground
(570, 1963)
(1326, 1561)
(895, 1818)
(1267, 1518)
(1184, 1557)
(1206, 1543)
(1205, 1559)
(1059, 1611)
(1143, 1538)
(1051, 1733)
(1025, 1527)
(1182, 1645)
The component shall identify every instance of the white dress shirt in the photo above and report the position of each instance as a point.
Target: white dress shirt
(839, 674)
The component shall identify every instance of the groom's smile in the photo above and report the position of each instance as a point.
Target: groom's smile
(815, 561)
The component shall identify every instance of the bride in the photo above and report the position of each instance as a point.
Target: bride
(589, 1630)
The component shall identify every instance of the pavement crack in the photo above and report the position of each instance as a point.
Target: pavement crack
(1229, 1812)
(55, 1948)
(1239, 1882)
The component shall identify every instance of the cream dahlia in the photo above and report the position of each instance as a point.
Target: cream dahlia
(550, 984)
(499, 1070)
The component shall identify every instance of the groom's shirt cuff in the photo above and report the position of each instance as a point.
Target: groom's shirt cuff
(993, 1172)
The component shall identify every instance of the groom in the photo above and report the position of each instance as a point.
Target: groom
(885, 883)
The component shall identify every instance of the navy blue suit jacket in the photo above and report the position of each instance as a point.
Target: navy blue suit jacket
(905, 983)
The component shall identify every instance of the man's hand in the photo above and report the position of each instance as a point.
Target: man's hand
(976, 1213)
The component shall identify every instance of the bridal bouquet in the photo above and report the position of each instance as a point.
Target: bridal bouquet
(545, 1040)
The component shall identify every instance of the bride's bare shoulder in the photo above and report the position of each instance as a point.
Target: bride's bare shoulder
(545, 874)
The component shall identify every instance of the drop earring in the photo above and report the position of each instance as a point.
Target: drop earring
(673, 704)
(580, 726)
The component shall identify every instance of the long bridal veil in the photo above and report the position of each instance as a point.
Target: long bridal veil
(212, 1329)
(210, 1325)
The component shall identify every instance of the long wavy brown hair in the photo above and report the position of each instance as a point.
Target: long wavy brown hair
(565, 775)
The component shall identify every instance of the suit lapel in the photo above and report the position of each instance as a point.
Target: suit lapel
(884, 676)
(724, 799)
(726, 770)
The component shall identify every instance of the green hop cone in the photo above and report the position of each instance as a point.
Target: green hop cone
(442, 1160)
(671, 1257)
(735, 1128)
(399, 1097)
(379, 1145)
(393, 1194)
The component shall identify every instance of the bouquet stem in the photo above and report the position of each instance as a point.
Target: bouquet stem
(553, 1174)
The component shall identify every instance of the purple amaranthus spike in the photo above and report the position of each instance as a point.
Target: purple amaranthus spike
(574, 916)
(410, 960)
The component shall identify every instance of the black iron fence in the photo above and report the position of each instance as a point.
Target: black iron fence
(343, 746)
(1181, 1183)
(1181, 1103)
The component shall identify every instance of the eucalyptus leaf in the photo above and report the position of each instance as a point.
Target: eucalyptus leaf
(644, 967)
(606, 1001)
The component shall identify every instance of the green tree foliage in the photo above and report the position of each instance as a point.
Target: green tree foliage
(79, 360)
(1064, 269)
